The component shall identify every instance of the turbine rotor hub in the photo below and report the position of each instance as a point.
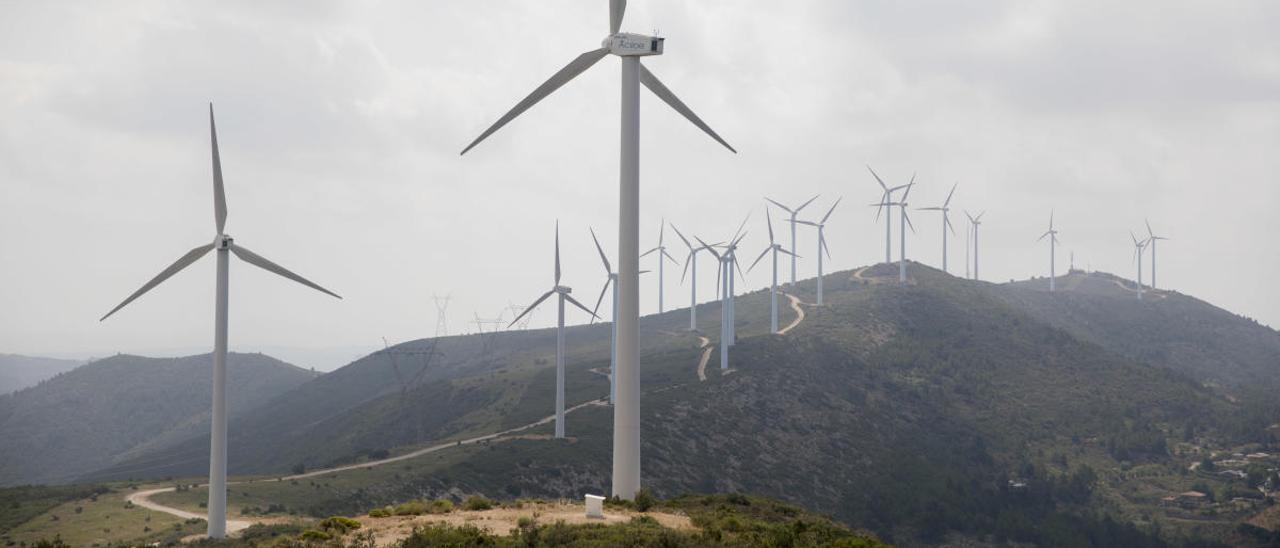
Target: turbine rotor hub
(223, 241)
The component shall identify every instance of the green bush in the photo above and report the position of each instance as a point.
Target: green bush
(383, 512)
(314, 535)
(339, 525)
(440, 506)
(411, 508)
(644, 500)
(476, 502)
(440, 534)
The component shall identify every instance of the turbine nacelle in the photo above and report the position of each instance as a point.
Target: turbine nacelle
(565, 290)
(223, 241)
(626, 44)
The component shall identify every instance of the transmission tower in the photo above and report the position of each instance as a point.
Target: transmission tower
(516, 311)
(442, 319)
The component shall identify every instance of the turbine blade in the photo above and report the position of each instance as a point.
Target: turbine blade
(668, 256)
(531, 307)
(740, 227)
(262, 262)
(910, 185)
(219, 195)
(784, 250)
(822, 240)
(830, 211)
(607, 267)
(785, 208)
(738, 265)
(603, 290)
(1042, 236)
(182, 262)
(708, 247)
(810, 223)
(1149, 232)
(557, 252)
(878, 179)
(950, 194)
(735, 242)
(769, 219)
(643, 255)
(947, 221)
(908, 218)
(802, 206)
(569, 72)
(617, 8)
(762, 254)
(580, 305)
(688, 258)
(682, 238)
(650, 81)
(719, 275)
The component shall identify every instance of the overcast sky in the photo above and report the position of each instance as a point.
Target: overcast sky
(340, 126)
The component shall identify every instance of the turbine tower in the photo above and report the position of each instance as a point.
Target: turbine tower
(904, 222)
(662, 254)
(224, 245)
(1152, 238)
(974, 223)
(886, 201)
(442, 319)
(822, 243)
(691, 260)
(1053, 254)
(945, 208)
(611, 280)
(562, 292)
(793, 221)
(630, 48)
(773, 287)
(1138, 247)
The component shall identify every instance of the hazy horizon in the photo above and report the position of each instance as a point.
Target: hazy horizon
(340, 126)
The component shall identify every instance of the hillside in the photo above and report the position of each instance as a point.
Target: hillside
(1167, 329)
(106, 410)
(941, 409)
(18, 372)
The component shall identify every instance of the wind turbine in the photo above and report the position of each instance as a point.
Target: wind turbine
(562, 292)
(726, 304)
(1138, 247)
(822, 243)
(904, 222)
(629, 47)
(773, 287)
(224, 245)
(886, 201)
(731, 262)
(793, 221)
(691, 260)
(974, 223)
(945, 208)
(611, 280)
(1152, 238)
(662, 253)
(1053, 242)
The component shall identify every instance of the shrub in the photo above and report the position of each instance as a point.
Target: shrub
(440, 506)
(339, 524)
(476, 502)
(314, 535)
(644, 500)
(383, 512)
(411, 508)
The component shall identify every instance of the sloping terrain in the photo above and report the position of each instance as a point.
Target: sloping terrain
(18, 372)
(99, 413)
(1166, 328)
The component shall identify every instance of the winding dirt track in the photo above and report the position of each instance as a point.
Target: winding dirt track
(705, 344)
(143, 498)
(795, 305)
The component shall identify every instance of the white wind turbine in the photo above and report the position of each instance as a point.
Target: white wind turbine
(224, 245)
(904, 222)
(731, 260)
(662, 254)
(1152, 238)
(562, 292)
(945, 208)
(822, 243)
(612, 280)
(793, 220)
(691, 260)
(886, 201)
(629, 47)
(1053, 254)
(723, 270)
(773, 287)
(974, 223)
(1138, 247)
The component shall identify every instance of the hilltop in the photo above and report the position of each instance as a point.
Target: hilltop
(18, 372)
(117, 407)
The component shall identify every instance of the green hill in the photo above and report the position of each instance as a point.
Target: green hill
(934, 412)
(18, 372)
(110, 409)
